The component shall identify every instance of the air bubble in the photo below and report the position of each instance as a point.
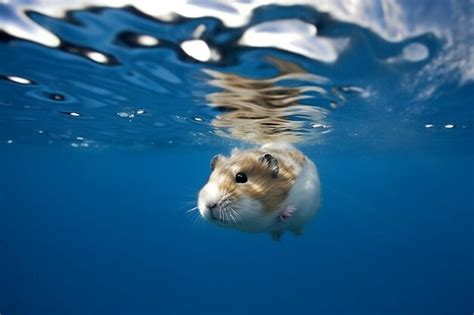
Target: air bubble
(429, 126)
(179, 119)
(449, 126)
(123, 114)
(56, 97)
(73, 114)
(82, 142)
(126, 114)
(131, 114)
(199, 119)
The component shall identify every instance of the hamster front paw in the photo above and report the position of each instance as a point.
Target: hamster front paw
(286, 213)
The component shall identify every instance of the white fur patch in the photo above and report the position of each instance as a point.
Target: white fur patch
(251, 216)
(209, 194)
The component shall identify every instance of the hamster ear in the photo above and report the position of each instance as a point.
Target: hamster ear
(215, 160)
(272, 164)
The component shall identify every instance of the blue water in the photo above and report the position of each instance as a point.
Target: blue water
(102, 156)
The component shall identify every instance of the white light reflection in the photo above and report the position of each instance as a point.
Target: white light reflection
(415, 52)
(197, 49)
(147, 40)
(97, 57)
(18, 80)
(295, 36)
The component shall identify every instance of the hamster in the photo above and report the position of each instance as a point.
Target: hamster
(273, 189)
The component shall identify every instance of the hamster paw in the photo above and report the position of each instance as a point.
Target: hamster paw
(276, 235)
(298, 231)
(286, 213)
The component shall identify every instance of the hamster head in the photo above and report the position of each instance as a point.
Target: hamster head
(245, 190)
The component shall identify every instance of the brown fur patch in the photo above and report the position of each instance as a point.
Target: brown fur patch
(261, 185)
(298, 157)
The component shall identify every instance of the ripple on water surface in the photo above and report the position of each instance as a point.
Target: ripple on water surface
(142, 75)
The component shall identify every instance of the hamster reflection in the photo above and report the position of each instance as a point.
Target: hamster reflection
(263, 111)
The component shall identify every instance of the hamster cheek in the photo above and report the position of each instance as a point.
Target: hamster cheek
(252, 217)
(249, 209)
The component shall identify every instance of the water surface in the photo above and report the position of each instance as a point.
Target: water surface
(111, 112)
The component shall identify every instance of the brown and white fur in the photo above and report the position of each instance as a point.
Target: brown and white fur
(282, 190)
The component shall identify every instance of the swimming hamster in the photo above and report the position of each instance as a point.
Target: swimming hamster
(272, 189)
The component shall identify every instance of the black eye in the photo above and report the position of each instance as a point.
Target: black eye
(240, 178)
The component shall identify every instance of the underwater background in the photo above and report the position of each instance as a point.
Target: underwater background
(110, 112)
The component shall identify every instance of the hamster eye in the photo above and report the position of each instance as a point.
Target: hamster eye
(240, 178)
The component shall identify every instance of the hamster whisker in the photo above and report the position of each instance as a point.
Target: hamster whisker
(192, 209)
(197, 219)
(221, 215)
(235, 212)
(224, 213)
(232, 211)
(239, 217)
(226, 200)
(225, 196)
(227, 216)
(232, 217)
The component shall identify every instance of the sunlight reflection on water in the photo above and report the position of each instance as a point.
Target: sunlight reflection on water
(258, 71)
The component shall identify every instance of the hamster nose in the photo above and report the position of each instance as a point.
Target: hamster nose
(211, 205)
(212, 208)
